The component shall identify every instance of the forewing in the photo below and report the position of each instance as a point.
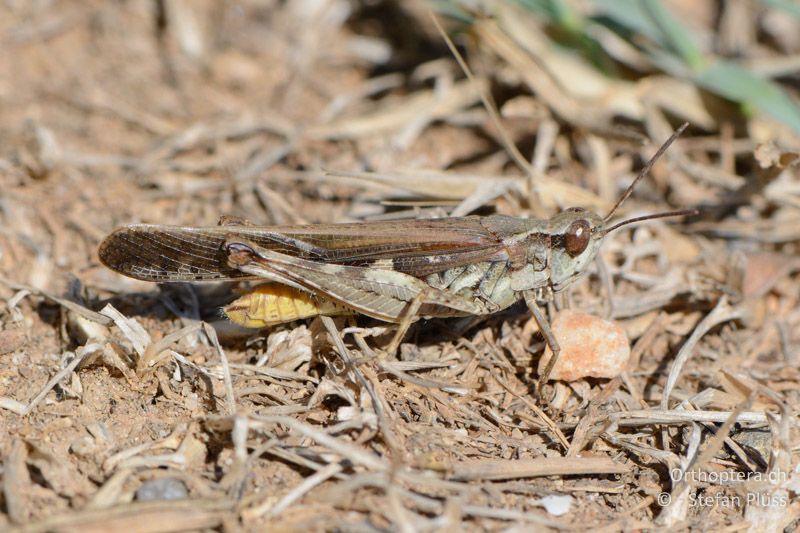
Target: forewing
(168, 253)
(416, 247)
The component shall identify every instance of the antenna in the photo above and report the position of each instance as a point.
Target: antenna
(666, 214)
(642, 174)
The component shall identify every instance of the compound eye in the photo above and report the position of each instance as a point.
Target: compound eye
(577, 237)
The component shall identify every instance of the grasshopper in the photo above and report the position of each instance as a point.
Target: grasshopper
(393, 271)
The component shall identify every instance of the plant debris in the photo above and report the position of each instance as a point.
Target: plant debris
(129, 405)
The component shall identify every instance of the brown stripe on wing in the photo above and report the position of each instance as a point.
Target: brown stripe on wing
(358, 243)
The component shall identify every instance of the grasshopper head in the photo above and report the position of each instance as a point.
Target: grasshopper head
(576, 235)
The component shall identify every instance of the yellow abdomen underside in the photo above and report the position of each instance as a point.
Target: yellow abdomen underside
(272, 303)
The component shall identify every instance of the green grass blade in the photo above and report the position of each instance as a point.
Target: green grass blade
(651, 19)
(738, 84)
(791, 7)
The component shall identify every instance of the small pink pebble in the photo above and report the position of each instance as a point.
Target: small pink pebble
(590, 347)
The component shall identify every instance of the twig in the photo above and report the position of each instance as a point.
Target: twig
(539, 412)
(21, 409)
(230, 398)
(377, 403)
(508, 144)
(393, 369)
(646, 417)
(710, 449)
(72, 306)
(194, 514)
(350, 451)
(496, 469)
(723, 312)
(308, 483)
